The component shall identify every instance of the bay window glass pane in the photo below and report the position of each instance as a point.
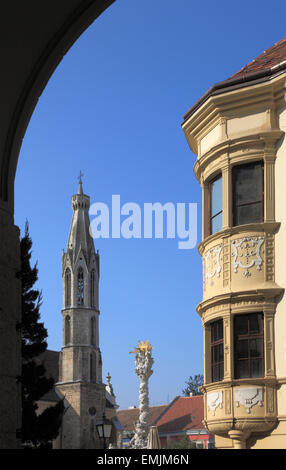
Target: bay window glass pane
(217, 352)
(216, 196)
(241, 325)
(242, 349)
(249, 345)
(255, 348)
(247, 182)
(249, 214)
(242, 369)
(255, 323)
(256, 366)
(216, 223)
(216, 205)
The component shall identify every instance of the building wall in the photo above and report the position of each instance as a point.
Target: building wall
(277, 439)
(238, 127)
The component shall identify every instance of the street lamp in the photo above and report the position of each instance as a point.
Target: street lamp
(104, 427)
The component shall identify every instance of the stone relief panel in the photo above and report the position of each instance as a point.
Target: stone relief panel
(247, 254)
(214, 400)
(248, 397)
(212, 265)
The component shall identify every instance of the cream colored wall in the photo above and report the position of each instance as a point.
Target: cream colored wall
(246, 123)
(280, 264)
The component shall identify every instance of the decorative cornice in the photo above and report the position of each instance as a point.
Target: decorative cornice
(255, 297)
(269, 227)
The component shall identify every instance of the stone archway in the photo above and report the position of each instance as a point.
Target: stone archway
(35, 37)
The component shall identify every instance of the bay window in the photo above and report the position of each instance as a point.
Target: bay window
(215, 204)
(247, 190)
(248, 346)
(217, 358)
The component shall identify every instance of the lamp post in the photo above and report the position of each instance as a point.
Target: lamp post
(104, 427)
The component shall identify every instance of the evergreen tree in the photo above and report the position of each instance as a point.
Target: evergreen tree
(37, 430)
(193, 385)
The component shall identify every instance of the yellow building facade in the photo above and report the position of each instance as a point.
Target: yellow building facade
(237, 131)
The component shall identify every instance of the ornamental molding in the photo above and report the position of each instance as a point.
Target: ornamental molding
(214, 400)
(212, 263)
(247, 253)
(248, 397)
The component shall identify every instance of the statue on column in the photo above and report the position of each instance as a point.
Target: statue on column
(143, 369)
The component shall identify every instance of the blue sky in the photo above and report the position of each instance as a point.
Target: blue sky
(113, 109)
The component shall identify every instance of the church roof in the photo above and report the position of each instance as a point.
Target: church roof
(80, 240)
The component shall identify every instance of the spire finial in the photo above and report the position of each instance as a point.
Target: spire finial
(80, 183)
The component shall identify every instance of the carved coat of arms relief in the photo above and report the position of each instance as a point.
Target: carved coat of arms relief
(247, 253)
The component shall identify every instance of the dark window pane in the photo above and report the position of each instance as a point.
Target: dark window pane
(214, 355)
(216, 196)
(220, 329)
(248, 214)
(248, 183)
(213, 330)
(216, 223)
(215, 375)
(242, 369)
(221, 371)
(255, 323)
(241, 325)
(242, 349)
(255, 348)
(220, 352)
(249, 345)
(256, 366)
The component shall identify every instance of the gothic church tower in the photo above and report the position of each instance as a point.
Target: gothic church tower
(80, 366)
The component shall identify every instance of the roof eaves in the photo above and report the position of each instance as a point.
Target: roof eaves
(252, 78)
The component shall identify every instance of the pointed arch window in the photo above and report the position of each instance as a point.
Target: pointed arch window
(68, 287)
(92, 367)
(67, 330)
(92, 331)
(92, 288)
(80, 287)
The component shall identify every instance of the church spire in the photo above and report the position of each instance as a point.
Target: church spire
(80, 239)
(80, 191)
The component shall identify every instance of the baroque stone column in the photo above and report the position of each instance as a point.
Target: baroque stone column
(143, 369)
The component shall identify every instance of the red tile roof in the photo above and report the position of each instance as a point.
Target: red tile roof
(273, 56)
(183, 414)
(267, 64)
(129, 417)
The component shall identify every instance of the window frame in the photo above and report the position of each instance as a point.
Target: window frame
(249, 336)
(213, 344)
(210, 216)
(234, 205)
(67, 287)
(80, 287)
